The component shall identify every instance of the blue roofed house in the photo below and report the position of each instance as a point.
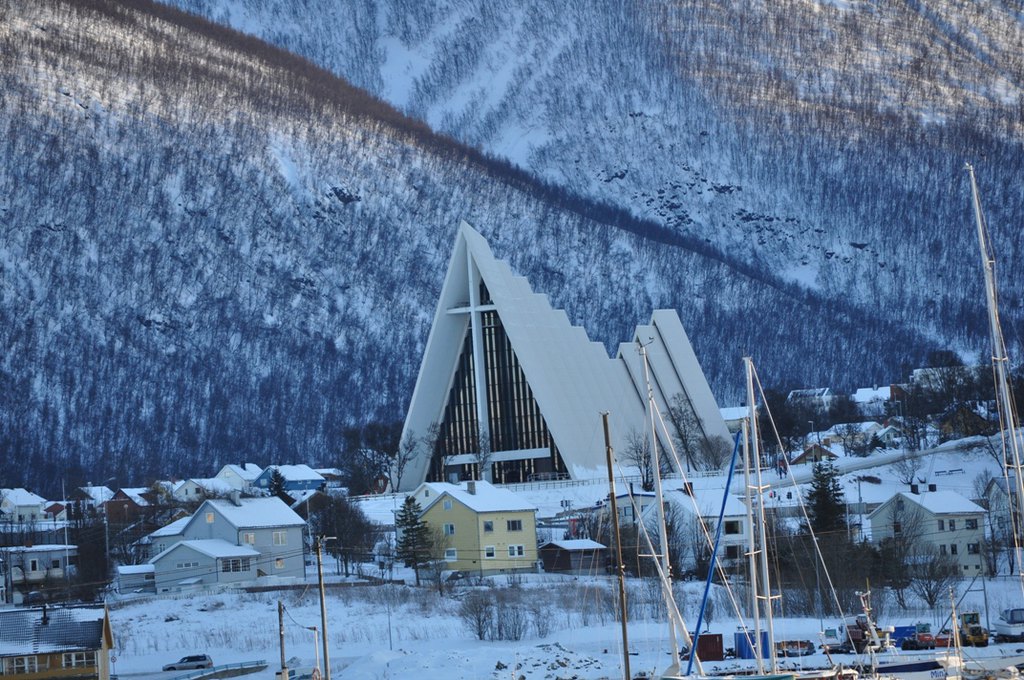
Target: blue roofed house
(296, 477)
(230, 541)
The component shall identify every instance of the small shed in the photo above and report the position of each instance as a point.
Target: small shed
(580, 555)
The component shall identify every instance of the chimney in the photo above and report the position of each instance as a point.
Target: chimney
(914, 489)
(236, 498)
(471, 487)
(932, 487)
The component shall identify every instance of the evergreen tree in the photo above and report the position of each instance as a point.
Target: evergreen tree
(276, 484)
(413, 535)
(825, 502)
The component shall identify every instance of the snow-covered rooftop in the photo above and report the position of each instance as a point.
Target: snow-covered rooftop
(297, 473)
(255, 512)
(576, 544)
(248, 471)
(867, 394)
(173, 529)
(21, 496)
(130, 569)
(945, 503)
(485, 498)
(211, 547)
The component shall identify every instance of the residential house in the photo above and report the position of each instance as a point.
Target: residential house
(685, 510)
(820, 397)
(229, 540)
(53, 642)
(873, 402)
(815, 453)
(489, 530)
(333, 477)
(954, 525)
(37, 567)
(21, 505)
(198, 489)
(196, 563)
(577, 556)
(296, 477)
(240, 477)
(136, 578)
(91, 496)
(128, 505)
(164, 537)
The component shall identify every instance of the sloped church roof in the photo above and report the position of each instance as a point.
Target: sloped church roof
(572, 378)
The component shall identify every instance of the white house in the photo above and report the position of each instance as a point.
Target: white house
(21, 505)
(239, 477)
(198, 489)
(31, 567)
(954, 525)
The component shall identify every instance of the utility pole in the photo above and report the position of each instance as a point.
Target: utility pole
(323, 605)
(280, 633)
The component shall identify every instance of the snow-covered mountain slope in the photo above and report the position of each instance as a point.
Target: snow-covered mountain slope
(821, 141)
(213, 250)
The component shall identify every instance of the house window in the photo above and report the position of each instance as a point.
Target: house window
(971, 523)
(942, 525)
(973, 549)
(732, 552)
(488, 526)
(249, 537)
(514, 525)
(33, 565)
(897, 527)
(280, 538)
(899, 503)
(952, 525)
(235, 564)
(209, 518)
(278, 563)
(24, 664)
(78, 659)
(451, 554)
(449, 529)
(942, 550)
(732, 527)
(55, 564)
(186, 565)
(447, 504)
(952, 548)
(489, 552)
(515, 551)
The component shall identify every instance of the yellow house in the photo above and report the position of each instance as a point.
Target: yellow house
(488, 530)
(48, 642)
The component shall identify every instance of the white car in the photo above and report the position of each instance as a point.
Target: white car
(190, 663)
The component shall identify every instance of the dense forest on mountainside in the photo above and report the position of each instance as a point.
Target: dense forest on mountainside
(820, 141)
(214, 251)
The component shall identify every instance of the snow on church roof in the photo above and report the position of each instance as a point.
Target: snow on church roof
(572, 378)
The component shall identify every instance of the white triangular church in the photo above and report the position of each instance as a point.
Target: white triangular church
(505, 369)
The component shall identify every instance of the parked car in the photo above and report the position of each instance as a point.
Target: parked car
(190, 663)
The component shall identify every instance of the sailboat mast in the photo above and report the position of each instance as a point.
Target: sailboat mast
(660, 499)
(1000, 365)
(618, 547)
(752, 585)
(762, 538)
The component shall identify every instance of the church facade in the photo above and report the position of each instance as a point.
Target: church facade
(510, 391)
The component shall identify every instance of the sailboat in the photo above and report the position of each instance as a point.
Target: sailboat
(757, 562)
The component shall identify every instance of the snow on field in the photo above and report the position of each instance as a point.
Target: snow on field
(403, 631)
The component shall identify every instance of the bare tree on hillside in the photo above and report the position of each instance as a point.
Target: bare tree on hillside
(906, 468)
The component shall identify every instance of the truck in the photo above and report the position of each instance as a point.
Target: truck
(971, 631)
(918, 636)
(1010, 626)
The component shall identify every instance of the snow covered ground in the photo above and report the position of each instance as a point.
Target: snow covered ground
(402, 631)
